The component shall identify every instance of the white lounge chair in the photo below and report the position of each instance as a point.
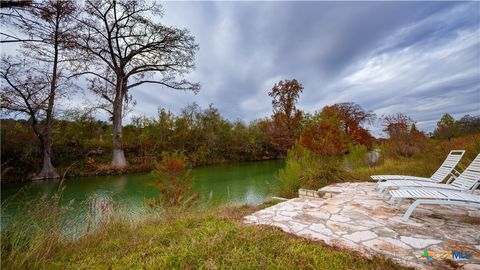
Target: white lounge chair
(466, 181)
(434, 196)
(445, 170)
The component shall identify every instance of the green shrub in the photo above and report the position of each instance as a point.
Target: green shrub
(357, 156)
(304, 169)
(290, 175)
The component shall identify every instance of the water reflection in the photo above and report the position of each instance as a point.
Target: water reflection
(238, 183)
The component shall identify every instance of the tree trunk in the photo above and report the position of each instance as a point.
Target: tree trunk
(48, 171)
(118, 159)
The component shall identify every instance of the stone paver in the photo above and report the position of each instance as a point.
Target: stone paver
(361, 236)
(355, 216)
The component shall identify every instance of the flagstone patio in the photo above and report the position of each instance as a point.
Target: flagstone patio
(355, 216)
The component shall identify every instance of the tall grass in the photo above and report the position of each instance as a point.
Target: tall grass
(357, 156)
(32, 236)
(44, 225)
(426, 162)
(304, 169)
(289, 176)
(197, 238)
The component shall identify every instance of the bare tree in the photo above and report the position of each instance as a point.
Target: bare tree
(46, 32)
(23, 91)
(125, 48)
(106, 91)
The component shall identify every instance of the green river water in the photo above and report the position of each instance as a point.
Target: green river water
(240, 183)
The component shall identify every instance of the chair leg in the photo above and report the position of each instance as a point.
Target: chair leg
(410, 210)
(400, 203)
(414, 205)
(392, 200)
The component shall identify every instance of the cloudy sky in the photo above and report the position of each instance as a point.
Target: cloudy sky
(417, 58)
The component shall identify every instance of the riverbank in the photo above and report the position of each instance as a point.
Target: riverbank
(108, 170)
(194, 239)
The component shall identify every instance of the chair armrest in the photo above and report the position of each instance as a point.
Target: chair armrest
(477, 185)
(453, 175)
(456, 173)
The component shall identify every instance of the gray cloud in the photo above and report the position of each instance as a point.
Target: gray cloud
(418, 58)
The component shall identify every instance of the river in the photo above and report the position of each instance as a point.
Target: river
(239, 183)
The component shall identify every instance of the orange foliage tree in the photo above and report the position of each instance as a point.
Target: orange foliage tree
(330, 132)
(323, 134)
(404, 137)
(351, 117)
(286, 119)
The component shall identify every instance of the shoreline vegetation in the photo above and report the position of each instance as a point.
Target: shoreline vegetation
(82, 143)
(175, 231)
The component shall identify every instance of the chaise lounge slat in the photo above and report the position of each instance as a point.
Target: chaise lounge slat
(439, 197)
(467, 181)
(443, 171)
(434, 196)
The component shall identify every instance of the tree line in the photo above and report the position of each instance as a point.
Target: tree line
(79, 139)
(115, 47)
(205, 137)
(202, 134)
